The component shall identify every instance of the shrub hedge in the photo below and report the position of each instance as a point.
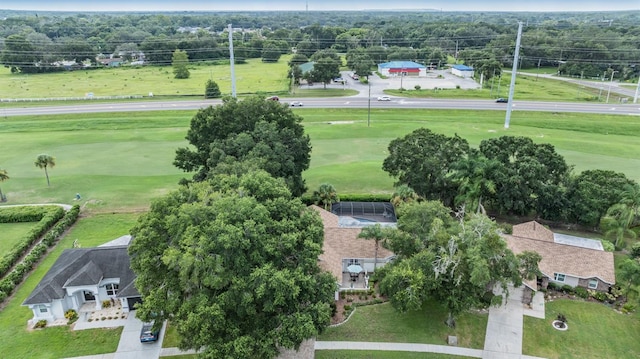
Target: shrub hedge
(48, 216)
(52, 220)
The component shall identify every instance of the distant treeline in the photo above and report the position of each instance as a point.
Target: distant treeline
(579, 44)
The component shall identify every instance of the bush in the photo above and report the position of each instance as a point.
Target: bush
(608, 246)
(581, 292)
(106, 303)
(40, 324)
(568, 289)
(599, 296)
(71, 316)
(635, 250)
(212, 90)
(553, 286)
(417, 87)
(628, 308)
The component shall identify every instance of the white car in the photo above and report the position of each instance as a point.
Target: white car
(384, 98)
(296, 103)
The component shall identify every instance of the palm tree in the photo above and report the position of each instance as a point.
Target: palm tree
(623, 215)
(472, 176)
(403, 194)
(377, 233)
(44, 161)
(326, 194)
(3, 177)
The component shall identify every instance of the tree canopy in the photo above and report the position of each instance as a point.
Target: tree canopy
(179, 61)
(423, 159)
(455, 262)
(233, 263)
(251, 133)
(45, 161)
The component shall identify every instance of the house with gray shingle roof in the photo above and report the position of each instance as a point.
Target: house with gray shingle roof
(566, 260)
(84, 276)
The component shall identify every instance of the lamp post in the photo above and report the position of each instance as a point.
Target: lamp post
(610, 83)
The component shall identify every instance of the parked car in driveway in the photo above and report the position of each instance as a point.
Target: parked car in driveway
(502, 100)
(296, 104)
(384, 98)
(147, 334)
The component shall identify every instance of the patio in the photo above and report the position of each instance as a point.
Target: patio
(89, 313)
(353, 282)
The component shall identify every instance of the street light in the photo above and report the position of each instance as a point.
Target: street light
(610, 83)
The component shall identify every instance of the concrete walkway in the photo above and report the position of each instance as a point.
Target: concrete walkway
(401, 347)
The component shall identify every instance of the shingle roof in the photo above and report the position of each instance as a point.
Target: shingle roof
(532, 230)
(462, 68)
(80, 266)
(561, 258)
(340, 243)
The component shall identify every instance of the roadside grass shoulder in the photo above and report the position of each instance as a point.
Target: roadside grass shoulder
(595, 331)
(382, 323)
(16, 342)
(528, 87)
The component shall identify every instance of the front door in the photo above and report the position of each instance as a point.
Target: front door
(89, 296)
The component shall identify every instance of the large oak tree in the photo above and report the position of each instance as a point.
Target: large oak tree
(233, 263)
(263, 132)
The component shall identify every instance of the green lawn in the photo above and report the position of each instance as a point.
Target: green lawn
(58, 342)
(382, 323)
(252, 77)
(121, 161)
(12, 233)
(364, 354)
(595, 332)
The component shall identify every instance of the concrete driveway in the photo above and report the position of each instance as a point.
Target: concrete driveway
(130, 347)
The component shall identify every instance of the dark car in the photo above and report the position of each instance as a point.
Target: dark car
(273, 98)
(147, 334)
(502, 100)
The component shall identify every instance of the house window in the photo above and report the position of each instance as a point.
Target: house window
(593, 283)
(112, 288)
(558, 277)
(353, 261)
(43, 309)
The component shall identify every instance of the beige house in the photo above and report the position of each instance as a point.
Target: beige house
(566, 260)
(342, 248)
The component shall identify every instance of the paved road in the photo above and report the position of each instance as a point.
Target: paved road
(341, 102)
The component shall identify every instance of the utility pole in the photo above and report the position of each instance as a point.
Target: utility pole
(369, 102)
(514, 70)
(610, 83)
(233, 62)
(635, 98)
(456, 51)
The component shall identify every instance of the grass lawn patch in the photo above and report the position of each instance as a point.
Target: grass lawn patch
(61, 342)
(171, 338)
(382, 323)
(595, 331)
(322, 92)
(12, 233)
(377, 354)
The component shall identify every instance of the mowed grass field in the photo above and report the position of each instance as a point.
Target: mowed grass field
(121, 161)
(251, 77)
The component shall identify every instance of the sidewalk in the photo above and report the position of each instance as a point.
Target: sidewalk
(401, 347)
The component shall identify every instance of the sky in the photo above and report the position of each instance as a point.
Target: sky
(299, 5)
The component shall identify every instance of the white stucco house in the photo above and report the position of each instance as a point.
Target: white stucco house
(84, 276)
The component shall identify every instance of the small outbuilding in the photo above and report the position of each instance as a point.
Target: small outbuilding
(402, 68)
(462, 71)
